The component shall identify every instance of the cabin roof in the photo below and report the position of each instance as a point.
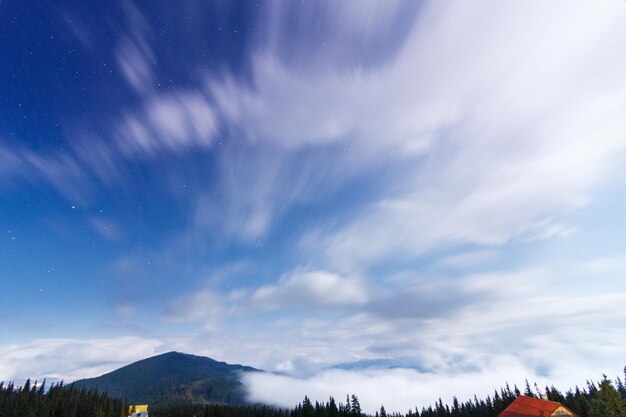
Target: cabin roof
(524, 406)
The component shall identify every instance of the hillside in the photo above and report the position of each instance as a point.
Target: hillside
(172, 378)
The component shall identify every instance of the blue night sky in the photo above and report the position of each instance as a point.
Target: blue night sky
(429, 194)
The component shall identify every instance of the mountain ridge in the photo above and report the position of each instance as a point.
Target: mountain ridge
(174, 377)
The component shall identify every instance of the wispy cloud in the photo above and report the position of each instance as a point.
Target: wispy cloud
(174, 122)
(106, 228)
(516, 135)
(206, 307)
(134, 54)
(61, 171)
(308, 289)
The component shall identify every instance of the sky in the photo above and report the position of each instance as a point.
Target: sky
(404, 200)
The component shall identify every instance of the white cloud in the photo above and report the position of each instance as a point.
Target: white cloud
(404, 389)
(468, 259)
(72, 359)
(206, 307)
(396, 389)
(310, 290)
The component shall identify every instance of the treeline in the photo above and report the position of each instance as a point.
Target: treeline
(597, 399)
(604, 398)
(32, 400)
(601, 399)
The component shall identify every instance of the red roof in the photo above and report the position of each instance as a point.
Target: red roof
(531, 407)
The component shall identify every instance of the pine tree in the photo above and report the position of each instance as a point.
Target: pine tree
(333, 411)
(346, 410)
(608, 402)
(527, 391)
(355, 407)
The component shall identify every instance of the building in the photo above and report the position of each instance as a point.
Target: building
(534, 407)
(140, 410)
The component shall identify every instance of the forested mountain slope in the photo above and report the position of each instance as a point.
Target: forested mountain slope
(173, 377)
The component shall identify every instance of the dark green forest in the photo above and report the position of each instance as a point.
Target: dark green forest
(32, 400)
(604, 398)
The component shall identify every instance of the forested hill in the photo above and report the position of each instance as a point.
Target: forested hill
(173, 377)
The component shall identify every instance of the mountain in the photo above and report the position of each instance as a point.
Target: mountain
(173, 377)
